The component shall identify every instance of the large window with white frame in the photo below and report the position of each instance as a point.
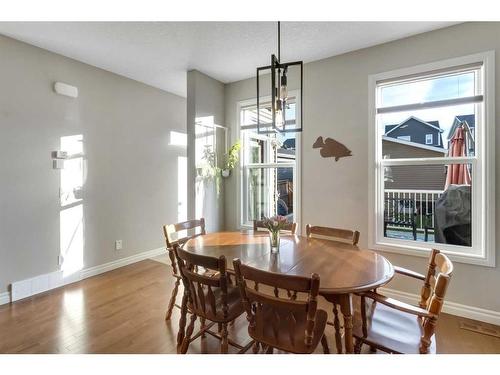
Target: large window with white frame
(269, 183)
(432, 159)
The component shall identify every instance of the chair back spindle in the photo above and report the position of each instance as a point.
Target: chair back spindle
(207, 292)
(275, 321)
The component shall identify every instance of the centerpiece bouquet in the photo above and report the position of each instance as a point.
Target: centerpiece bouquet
(274, 225)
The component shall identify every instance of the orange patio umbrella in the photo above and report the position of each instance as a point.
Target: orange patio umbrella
(458, 174)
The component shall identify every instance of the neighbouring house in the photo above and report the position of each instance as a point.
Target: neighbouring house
(414, 138)
(415, 187)
(417, 177)
(417, 131)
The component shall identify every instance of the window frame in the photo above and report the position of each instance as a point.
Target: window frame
(484, 166)
(430, 137)
(297, 165)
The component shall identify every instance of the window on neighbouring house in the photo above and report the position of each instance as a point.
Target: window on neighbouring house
(405, 138)
(433, 197)
(269, 178)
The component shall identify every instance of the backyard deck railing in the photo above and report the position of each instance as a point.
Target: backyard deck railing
(425, 203)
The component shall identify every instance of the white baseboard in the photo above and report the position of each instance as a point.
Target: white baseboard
(4, 298)
(453, 308)
(39, 284)
(92, 271)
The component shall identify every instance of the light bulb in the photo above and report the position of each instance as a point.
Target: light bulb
(279, 119)
(283, 88)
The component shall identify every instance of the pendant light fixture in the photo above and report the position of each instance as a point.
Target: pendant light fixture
(279, 74)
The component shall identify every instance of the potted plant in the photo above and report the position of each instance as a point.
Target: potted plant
(231, 158)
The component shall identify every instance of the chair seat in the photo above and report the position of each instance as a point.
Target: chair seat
(235, 306)
(395, 330)
(282, 339)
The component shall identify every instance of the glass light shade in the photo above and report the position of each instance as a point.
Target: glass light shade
(279, 119)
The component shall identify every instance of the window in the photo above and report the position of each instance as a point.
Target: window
(270, 167)
(405, 138)
(414, 187)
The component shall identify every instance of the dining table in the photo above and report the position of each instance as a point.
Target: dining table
(344, 269)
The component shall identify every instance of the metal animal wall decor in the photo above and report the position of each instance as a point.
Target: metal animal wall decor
(330, 148)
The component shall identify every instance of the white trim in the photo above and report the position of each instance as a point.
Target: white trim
(92, 271)
(453, 308)
(483, 250)
(430, 161)
(429, 105)
(415, 144)
(29, 287)
(4, 298)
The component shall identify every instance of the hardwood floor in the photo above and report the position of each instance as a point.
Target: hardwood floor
(123, 311)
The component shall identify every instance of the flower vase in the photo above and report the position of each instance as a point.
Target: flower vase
(274, 239)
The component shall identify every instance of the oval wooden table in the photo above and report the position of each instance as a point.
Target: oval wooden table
(343, 268)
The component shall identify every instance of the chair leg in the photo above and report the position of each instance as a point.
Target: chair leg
(269, 350)
(324, 343)
(202, 327)
(171, 303)
(357, 346)
(182, 322)
(256, 347)
(189, 332)
(336, 324)
(363, 316)
(224, 343)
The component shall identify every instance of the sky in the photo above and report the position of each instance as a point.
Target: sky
(455, 86)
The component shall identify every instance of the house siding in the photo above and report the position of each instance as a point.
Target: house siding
(414, 177)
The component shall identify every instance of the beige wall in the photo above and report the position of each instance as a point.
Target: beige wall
(130, 189)
(335, 105)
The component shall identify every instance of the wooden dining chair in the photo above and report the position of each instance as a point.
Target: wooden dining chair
(290, 227)
(352, 236)
(349, 236)
(291, 325)
(397, 327)
(209, 296)
(178, 234)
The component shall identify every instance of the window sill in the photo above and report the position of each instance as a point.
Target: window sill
(408, 249)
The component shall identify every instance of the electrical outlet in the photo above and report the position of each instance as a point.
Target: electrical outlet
(118, 245)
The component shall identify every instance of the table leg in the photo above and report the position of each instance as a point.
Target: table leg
(335, 300)
(346, 309)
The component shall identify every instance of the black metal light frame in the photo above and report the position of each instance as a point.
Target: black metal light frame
(275, 66)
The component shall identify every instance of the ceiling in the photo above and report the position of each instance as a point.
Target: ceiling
(160, 53)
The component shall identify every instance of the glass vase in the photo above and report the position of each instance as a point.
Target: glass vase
(274, 240)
